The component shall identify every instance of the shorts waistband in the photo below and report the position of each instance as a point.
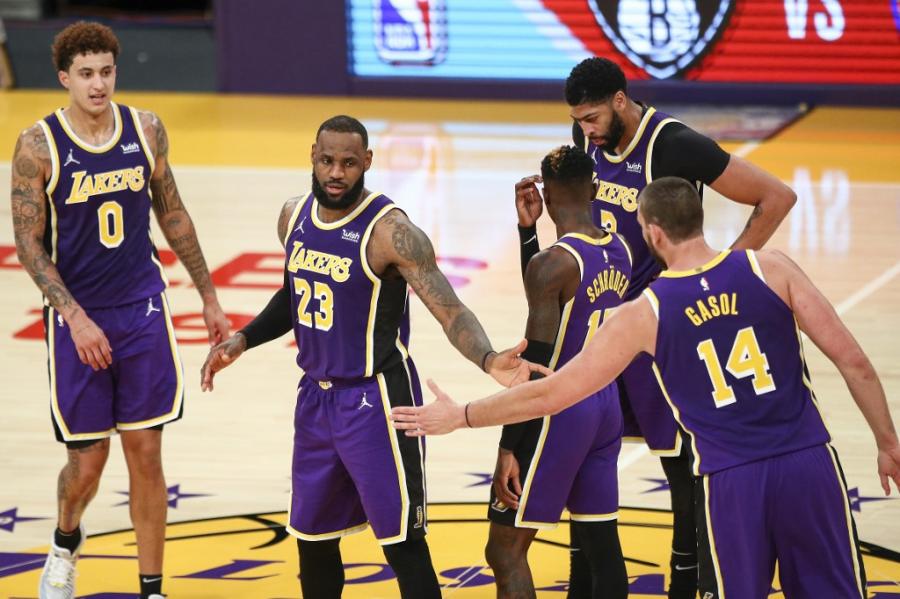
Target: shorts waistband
(336, 384)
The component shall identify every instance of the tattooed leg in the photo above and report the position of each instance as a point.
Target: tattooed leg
(78, 482)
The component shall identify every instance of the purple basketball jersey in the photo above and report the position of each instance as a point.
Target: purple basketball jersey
(621, 179)
(729, 357)
(348, 322)
(605, 266)
(98, 230)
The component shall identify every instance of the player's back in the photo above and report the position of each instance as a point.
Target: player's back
(348, 322)
(605, 269)
(730, 359)
(98, 225)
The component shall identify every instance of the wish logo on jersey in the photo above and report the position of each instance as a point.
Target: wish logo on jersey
(663, 38)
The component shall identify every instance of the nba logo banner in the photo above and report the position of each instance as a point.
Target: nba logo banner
(663, 37)
(411, 31)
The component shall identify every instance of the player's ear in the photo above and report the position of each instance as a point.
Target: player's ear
(312, 154)
(63, 78)
(368, 161)
(619, 100)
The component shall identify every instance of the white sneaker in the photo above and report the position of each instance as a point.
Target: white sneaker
(58, 577)
(155, 596)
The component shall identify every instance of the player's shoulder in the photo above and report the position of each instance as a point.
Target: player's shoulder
(287, 214)
(550, 267)
(32, 142)
(774, 259)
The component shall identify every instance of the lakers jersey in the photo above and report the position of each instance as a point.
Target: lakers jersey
(348, 322)
(621, 178)
(730, 361)
(605, 266)
(98, 225)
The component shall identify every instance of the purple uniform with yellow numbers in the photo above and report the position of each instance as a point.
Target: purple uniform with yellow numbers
(568, 460)
(620, 179)
(729, 359)
(350, 467)
(98, 236)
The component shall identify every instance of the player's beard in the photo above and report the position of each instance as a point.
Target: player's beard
(655, 254)
(344, 201)
(616, 131)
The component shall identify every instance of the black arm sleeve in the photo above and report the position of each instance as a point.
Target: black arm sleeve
(528, 245)
(680, 151)
(274, 320)
(537, 352)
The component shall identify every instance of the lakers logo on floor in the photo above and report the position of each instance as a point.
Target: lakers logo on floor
(252, 557)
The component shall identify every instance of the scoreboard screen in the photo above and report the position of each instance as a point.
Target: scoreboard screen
(738, 41)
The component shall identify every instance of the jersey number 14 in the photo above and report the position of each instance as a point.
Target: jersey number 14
(745, 359)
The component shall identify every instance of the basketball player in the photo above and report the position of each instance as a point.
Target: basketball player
(84, 180)
(568, 459)
(633, 144)
(724, 330)
(350, 254)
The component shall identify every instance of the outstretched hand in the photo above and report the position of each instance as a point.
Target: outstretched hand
(509, 369)
(440, 417)
(889, 468)
(221, 356)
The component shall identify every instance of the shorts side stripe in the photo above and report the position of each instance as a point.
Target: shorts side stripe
(851, 533)
(398, 462)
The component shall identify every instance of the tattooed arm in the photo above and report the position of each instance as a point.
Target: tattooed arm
(30, 171)
(745, 183)
(178, 228)
(398, 243)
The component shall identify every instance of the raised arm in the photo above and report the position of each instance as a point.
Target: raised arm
(818, 319)
(31, 169)
(274, 321)
(529, 206)
(398, 243)
(178, 228)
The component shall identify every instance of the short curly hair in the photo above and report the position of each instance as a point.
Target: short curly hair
(567, 164)
(83, 37)
(594, 80)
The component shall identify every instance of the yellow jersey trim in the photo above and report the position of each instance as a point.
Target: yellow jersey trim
(675, 274)
(529, 479)
(588, 239)
(106, 147)
(51, 187)
(654, 301)
(677, 415)
(627, 248)
(650, 145)
(294, 215)
(754, 265)
(144, 145)
(398, 462)
(712, 541)
(376, 289)
(615, 159)
(314, 213)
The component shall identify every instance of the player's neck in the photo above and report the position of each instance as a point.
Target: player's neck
(577, 222)
(632, 119)
(690, 254)
(95, 129)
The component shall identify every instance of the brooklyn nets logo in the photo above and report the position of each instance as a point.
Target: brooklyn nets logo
(663, 37)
